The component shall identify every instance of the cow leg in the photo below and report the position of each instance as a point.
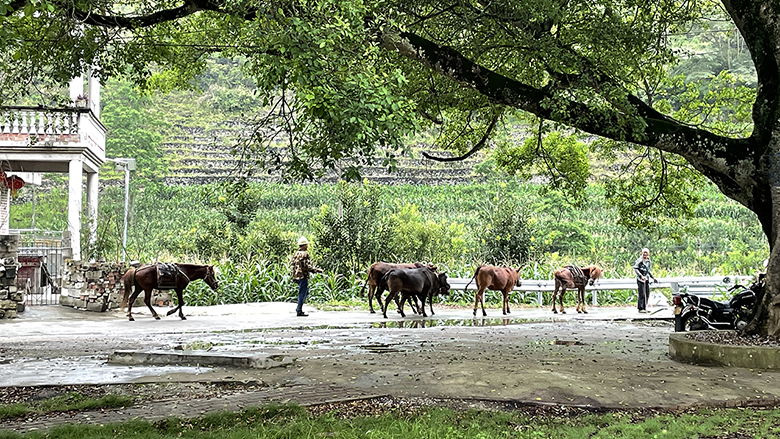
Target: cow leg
(404, 299)
(430, 300)
(371, 290)
(505, 305)
(555, 295)
(479, 299)
(582, 300)
(560, 299)
(391, 295)
(422, 305)
(148, 302)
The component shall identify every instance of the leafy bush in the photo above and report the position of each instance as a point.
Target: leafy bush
(506, 233)
(353, 234)
(417, 239)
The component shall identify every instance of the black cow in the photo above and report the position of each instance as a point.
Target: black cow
(422, 283)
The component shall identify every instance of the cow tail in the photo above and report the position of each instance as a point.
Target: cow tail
(472, 278)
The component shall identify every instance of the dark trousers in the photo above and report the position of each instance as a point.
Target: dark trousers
(303, 292)
(644, 294)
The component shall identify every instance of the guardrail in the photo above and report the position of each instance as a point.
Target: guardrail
(700, 286)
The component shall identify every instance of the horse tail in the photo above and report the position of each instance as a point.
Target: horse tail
(472, 278)
(129, 279)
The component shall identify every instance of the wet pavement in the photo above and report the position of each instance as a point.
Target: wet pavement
(610, 357)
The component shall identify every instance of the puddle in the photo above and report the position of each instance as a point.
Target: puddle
(432, 323)
(379, 348)
(72, 371)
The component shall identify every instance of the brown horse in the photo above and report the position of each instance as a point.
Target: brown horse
(567, 277)
(488, 277)
(145, 278)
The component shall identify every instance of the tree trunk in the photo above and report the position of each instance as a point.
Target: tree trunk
(766, 321)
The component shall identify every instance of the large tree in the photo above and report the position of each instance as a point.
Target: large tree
(346, 80)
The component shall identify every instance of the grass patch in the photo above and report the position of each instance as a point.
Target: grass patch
(72, 401)
(291, 421)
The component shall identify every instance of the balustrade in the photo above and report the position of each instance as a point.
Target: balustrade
(39, 121)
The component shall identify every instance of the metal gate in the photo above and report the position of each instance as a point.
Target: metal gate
(41, 260)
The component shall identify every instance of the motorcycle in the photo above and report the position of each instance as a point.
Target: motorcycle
(694, 313)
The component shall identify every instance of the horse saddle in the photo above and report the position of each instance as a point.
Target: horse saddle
(167, 275)
(577, 274)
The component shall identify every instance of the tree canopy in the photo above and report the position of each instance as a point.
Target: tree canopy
(344, 81)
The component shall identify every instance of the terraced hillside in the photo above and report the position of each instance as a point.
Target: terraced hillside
(197, 155)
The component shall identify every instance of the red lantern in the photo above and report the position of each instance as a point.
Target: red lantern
(14, 183)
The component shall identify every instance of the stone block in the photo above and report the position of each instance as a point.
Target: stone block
(11, 313)
(97, 306)
(8, 304)
(74, 302)
(16, 297)
(20, 307)
(13, 289)
(4, 295)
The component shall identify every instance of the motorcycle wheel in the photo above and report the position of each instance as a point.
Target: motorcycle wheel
(693, 322)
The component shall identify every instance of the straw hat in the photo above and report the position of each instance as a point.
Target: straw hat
(302, 241)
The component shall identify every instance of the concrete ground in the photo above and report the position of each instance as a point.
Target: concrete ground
(613, 357)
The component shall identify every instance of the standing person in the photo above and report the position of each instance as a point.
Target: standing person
(643, 269)
(301, 267)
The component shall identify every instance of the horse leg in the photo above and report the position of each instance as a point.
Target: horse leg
(133, 296)
(148, 302)
(180, 299)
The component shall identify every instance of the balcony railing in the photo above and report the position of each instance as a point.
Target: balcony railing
(40, 120)
(51, 127)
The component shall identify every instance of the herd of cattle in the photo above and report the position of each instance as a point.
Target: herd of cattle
(419, 282)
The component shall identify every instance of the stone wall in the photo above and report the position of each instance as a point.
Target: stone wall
(97, 286)
(11, 300)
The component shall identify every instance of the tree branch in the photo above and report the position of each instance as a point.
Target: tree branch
(481, 144)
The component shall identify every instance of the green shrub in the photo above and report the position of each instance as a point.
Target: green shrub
(505, 236)
(353, 234)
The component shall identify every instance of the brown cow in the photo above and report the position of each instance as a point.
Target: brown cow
(488, 277)
(422, 283)
(376, 271)
(567, 277)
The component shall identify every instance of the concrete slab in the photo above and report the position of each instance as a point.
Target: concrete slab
(199, 358)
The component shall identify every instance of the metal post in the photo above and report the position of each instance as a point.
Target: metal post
(127, 197)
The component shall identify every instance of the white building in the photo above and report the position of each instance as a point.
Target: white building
(68, 140)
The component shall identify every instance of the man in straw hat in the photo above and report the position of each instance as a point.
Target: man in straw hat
(301, 267)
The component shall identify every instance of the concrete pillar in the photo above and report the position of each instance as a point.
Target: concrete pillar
(5, 209)
(76, 88)
(92, 205)
(75, 171)
(94, 94)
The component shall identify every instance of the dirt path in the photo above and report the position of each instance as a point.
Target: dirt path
(601, 360)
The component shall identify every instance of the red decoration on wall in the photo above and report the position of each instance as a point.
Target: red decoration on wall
(14, 183)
